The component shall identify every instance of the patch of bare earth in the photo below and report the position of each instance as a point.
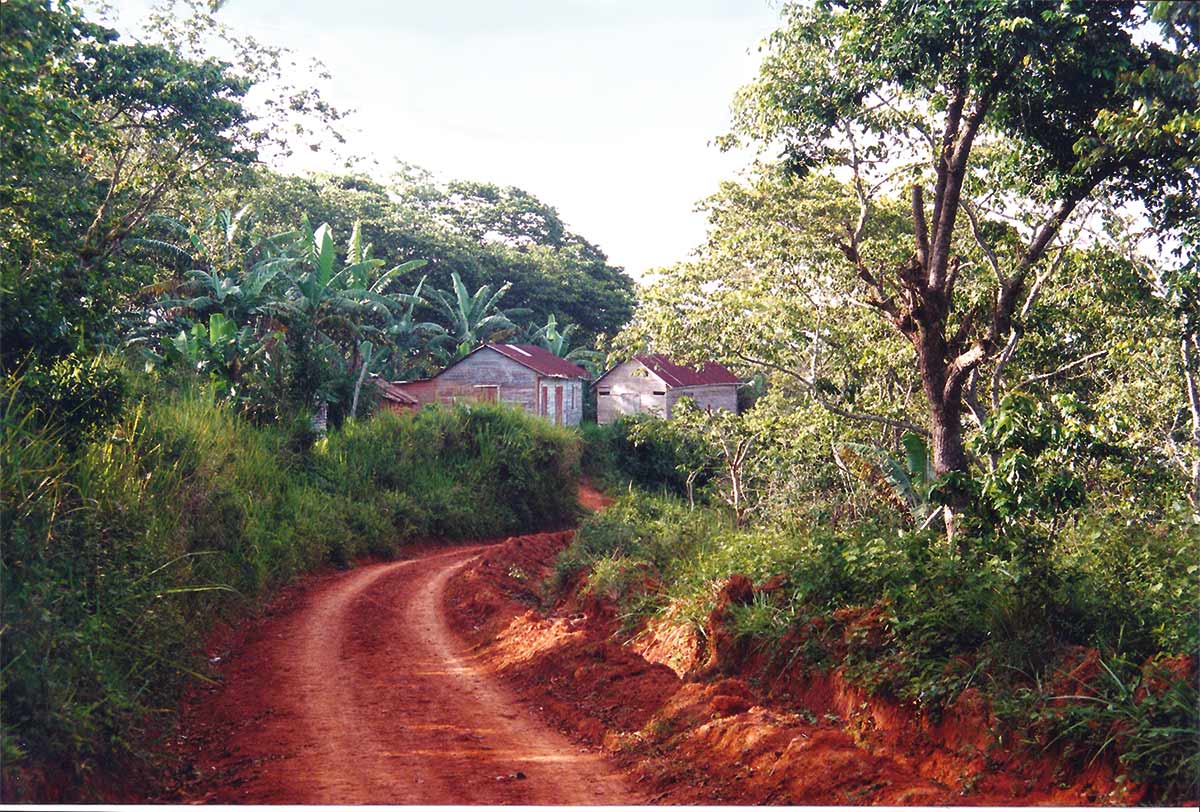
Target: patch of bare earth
(354, 690)
(718, 722)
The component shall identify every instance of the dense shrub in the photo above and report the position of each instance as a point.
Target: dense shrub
(118, 554)
(640, 452)
(72, 393)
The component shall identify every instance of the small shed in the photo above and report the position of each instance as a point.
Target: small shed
(524, 375)
(393, 397)
(652, 384)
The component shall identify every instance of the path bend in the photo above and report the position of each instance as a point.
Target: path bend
(361, 694)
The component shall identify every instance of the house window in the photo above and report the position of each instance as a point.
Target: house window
(658, 393)
(487, 393)
(605, 393)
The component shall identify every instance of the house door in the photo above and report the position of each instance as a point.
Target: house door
(558, 403)
(543, 410)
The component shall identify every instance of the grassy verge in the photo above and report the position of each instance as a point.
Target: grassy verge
(121, 550)
(906, 619)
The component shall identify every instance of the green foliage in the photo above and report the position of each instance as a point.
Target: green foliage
(486, 235)
(1072, 83)
(904, 619)
(1039, 454)
(473, 318)
(97, 133)
(559, 343)
(118, 555)
(72, 394)
(645, 452)
(909, 479)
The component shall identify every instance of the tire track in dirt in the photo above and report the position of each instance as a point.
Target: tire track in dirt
(362, 694)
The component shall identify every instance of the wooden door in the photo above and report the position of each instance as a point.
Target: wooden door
(558, 404)
(543, 410)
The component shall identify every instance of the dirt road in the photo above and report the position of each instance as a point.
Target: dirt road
(360, 693)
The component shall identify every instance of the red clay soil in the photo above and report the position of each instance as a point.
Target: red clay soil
(724, 728)
(445, 680)
(355, 691)
(592, 499)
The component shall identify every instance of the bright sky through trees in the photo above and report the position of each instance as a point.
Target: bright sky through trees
(604, 108)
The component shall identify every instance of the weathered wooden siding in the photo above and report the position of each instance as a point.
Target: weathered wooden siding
(424, 391)
(572, 389)
(708, 397)
(630, 389)
(518, 385)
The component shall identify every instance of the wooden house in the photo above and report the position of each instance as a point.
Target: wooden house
(524, 375)
(652, 384)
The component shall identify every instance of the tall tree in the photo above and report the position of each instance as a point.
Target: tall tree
(96, 134)
(101, 135)
(488, 236)
(1045, 103)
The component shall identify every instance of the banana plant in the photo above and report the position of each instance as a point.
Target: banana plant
(559, 343)
(370, 359)
(330, 310)
(473, 318)
(212, 244)
(909, 480)
(324, 295)
(220, 349)
(407, 337)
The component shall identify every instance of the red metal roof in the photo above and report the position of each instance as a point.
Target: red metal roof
(676, 375)
(539, 359)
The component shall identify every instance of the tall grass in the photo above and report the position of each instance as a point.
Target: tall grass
(118, 553)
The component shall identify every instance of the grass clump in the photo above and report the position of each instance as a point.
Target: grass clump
(122, 546)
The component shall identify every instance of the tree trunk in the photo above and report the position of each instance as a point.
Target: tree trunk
(1190, 350)
(362, 373)
(320, 420)
(945, 417)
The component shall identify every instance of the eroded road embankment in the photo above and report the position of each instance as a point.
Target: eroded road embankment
(357, 691)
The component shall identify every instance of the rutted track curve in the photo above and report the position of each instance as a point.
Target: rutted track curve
(360, 693)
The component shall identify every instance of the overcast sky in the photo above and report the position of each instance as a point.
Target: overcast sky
(604, 109)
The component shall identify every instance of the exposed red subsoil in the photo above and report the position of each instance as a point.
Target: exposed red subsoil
(592, 499)
(712, 722)
(450, 678)
(354, 690)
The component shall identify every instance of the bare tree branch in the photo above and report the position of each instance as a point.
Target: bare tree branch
(983, 244)
(1078, 362)
(922, 230)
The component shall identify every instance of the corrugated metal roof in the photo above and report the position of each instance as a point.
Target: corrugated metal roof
(539, 359)
(676, 375)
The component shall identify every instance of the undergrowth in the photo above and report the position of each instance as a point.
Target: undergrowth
(639, 452)
(904, 617)
(124, 543)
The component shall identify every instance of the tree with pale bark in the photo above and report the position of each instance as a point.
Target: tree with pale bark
(1000, 119)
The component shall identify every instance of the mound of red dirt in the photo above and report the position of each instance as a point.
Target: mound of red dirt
(710, 720)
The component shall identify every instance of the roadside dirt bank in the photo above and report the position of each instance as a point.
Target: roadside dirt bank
(691, 721)
(354, 690)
